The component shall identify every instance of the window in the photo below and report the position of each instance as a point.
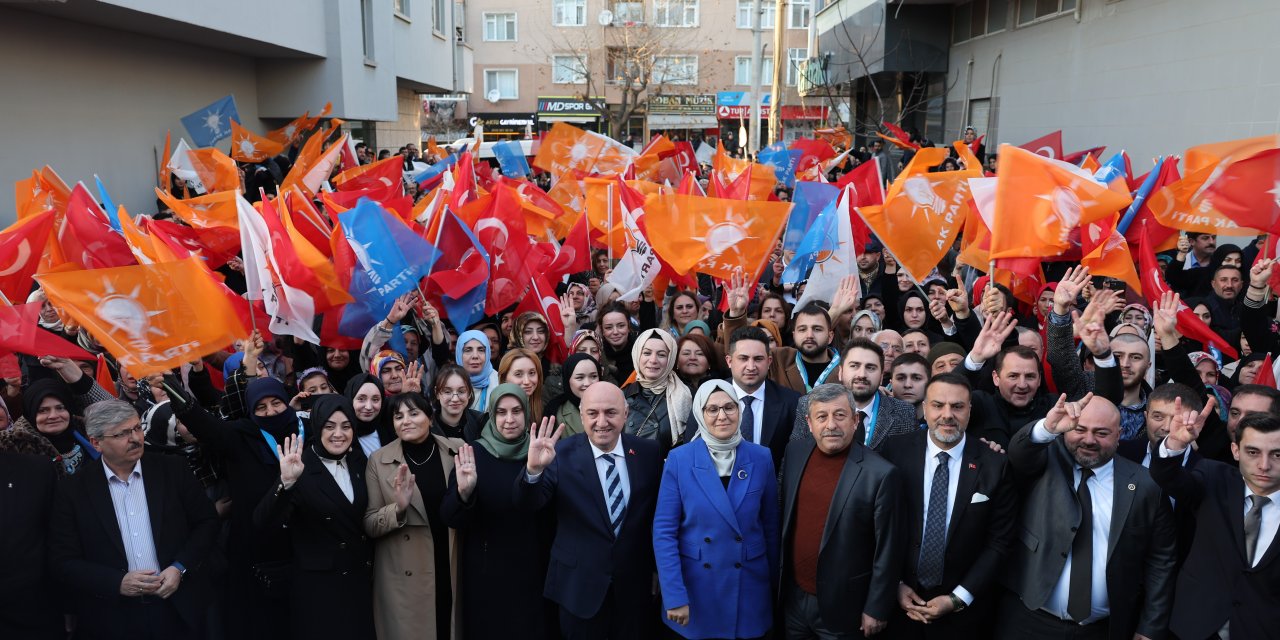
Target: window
(979, 18)
(1032, 10)
(499, 27)
(794, 58)
(628, 13)
(506, 81)
(402, 7)
(438, 15)
(766, 19)
(366, 28)
(675, 13)
(569, 69)
(675, 70)
(798, 14)
(623, 68)
(568, 13)
(742, 70)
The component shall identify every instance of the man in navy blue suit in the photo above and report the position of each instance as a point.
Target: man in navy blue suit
(604, 486)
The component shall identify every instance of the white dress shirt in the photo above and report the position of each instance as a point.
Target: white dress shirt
(953, 483)
(1101, 497)
(370, 442)
(342, 475)
(129, 498)
(620, 459)
(757, 409)
(1270, 520)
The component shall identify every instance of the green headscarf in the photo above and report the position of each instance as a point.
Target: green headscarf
(491, 440)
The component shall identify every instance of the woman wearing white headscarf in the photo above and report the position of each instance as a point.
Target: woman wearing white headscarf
(715, 531)
(658, 401)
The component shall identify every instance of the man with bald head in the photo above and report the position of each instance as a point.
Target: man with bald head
(1097, 538)
(603, 485)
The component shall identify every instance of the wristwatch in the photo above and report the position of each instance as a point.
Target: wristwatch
(957, 604)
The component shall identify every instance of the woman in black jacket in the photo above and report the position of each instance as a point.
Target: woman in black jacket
(320, 503)
(451, 394)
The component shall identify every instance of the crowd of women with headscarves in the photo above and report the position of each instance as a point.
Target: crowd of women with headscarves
(368, 493)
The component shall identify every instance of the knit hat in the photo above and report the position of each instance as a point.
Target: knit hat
(944, 349)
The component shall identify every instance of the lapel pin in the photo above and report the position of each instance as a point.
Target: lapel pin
(973, 466)
(1133, 487)
(631, 452)
(742, 474)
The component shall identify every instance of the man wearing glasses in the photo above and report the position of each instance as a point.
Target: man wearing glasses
(129, 540)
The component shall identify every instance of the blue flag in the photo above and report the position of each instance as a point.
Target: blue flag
(784, 162)
(436, 170)
(510, 155)
(822, 238)
(391, 257)
(113, 215)
(212, 123)
(1140, 197)
(808, 200)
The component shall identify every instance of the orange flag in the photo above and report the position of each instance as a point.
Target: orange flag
(922, 212)
(323, 286)
(45, 189)
(762, 178)
(567, 148)
(216, 209)
(1039, 201)
(150, 317)
(140, 242)
(216, 169)
(247, 146)
(1207, 155)
(314, 163)
(712, 235)
(1188, 204)
(1106, 252)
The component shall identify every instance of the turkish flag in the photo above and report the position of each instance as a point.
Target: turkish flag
(1189, 324)
(541, 298)
(21, 247)
(87, 237)
(1049, 146)
(1248, 191)
(19, 333)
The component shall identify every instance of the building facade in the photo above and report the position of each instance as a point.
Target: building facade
(95, 84)
(549, 61)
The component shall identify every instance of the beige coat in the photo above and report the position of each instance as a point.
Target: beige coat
(404, 586)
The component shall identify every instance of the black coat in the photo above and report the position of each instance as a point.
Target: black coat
(1217, 584)
(776, 424)
(332, 556)
(87, 555)
(1184, 515)
(27, 486)
(500, 545)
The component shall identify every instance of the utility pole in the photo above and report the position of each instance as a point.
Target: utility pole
(780, 62)
(757, 70)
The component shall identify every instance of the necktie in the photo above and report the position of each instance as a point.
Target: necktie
(1080, 597)
(934, 544)
(613, 494)
(748, 427)
(1252, 525)
(861, 434)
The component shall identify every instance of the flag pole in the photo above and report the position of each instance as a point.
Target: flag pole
(609, 236)
(253, 318)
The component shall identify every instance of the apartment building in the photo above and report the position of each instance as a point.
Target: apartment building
(538, 62)
(93, 85)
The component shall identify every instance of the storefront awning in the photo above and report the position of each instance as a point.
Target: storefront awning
(707, 121)
(580, 119)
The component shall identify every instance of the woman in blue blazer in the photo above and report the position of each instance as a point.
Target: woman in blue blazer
(715, 533)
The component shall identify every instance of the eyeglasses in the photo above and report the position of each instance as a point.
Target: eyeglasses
(447, 393)
(728, 410)
(123, 434)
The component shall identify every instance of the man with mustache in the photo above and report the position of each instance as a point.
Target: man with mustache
(842, 553)
(129, 539)
(1096, 552)
(959, 508)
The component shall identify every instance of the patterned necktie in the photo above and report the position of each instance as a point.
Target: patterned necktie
(1080, 595)
(748, 427)
(613, 494)
(934, 545)
(1252, 526)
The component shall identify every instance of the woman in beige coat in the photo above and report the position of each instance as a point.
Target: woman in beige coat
(415, 561)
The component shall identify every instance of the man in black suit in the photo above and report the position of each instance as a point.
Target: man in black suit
(27, 604)
(767, 408)
(958, 508)
(1096, 551)
(131, 553)
(842, 553)
(604, 484)
(1230, 583)
(877, 414)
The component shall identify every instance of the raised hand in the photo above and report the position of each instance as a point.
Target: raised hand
(993, 301)
(401, 308)
(542, 444)
(568, 316)
(1260, 274)
(938, 309)
(66, 368)
(890, 262)
(290, 455)
(1065, 416)
(465, 467)
(296, 401)
(1185, 426)
(991, 338)
(1184, 245)
(958, 300)
(1070, 288)
(1165, 318)
(254, 346)
(738, 293)
(847, 296)
(1094, 337)
(402, 488)
(430, 313)
(413, 377)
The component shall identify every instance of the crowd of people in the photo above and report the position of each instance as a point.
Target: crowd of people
(932, 460)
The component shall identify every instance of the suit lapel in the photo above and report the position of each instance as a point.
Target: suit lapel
(968, 481)
(585, 463)
(709, 481)
(100, 499)
(792, 471)
(848, 478)
(1231, 499)
(1123, 488)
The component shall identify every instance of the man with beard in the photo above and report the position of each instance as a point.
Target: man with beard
(959, 507)
(1016, 376)
(1097, 552)
(879, 415)
(813, 360)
